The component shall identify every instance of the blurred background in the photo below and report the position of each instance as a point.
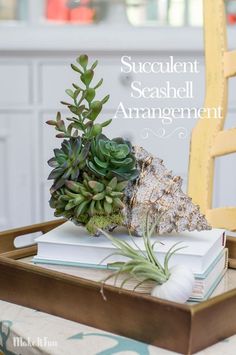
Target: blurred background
(38, 41)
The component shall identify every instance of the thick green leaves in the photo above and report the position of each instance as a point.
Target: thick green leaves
(90, 94)
(70, 93)
(82, 60)
(110, 163)
(75, 68)
(112, 158)
(96, 186)
(87, 77)
(95, 130)
(88, 197)
(68, 161)
(82, 105)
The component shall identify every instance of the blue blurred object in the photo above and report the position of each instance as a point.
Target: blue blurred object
(22, 10)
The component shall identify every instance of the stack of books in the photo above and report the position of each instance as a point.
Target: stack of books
(69, 249)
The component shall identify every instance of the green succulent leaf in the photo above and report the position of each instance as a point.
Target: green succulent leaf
(96, 108)
(121, 185)
(58, 117)
(90, 94)
(107, 207)
(109, 199)
(53, 163)
(87, 77)
(96, 130)
(94, 65)
(81, 208)
(113, 183)
(106, 123)
(83, 60)
(105, 99)
(102, 164)
(98, 84)
(70, 93)
(51, 123)
(75, 68)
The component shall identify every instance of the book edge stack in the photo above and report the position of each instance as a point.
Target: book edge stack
(202, 283)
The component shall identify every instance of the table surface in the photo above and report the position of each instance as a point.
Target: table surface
(24, 331)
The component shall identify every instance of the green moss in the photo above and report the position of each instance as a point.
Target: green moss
(103, 222)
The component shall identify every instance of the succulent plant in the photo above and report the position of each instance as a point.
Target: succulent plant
(68, 161)
(82, 200)
(90, 171)
(91, 197)
(110, 158)
(84, 107)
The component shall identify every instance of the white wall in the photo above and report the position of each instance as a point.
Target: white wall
(33, 81)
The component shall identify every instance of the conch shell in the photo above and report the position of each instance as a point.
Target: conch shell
(159, 193)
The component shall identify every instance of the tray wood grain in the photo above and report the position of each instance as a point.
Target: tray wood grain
(181, 328)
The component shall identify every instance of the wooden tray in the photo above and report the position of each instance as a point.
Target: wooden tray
(181, 328)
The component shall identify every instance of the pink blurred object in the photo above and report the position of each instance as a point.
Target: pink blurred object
(57, 10)
(83, 13)
(231, 19)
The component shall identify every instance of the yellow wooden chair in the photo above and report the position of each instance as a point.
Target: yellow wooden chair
(209, 139)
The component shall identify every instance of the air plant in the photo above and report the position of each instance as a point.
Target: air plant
(173, 284)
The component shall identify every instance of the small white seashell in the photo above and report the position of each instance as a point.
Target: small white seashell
(179, 286)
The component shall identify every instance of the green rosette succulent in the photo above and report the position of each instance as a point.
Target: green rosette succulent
(81, 201)
(68, 162)
(113, 157)
(91, 197)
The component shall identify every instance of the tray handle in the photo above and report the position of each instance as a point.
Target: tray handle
(7, 238)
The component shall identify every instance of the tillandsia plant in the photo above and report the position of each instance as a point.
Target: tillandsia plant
(90, 171)
(173, 284)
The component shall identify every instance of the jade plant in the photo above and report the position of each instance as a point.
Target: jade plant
(90, 171)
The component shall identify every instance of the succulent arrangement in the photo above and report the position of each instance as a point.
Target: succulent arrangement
(90, 171)
(101, 182)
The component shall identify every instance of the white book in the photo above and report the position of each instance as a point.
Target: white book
(206, 283)
(71, 245)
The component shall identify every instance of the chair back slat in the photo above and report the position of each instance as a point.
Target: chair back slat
(224, 143)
